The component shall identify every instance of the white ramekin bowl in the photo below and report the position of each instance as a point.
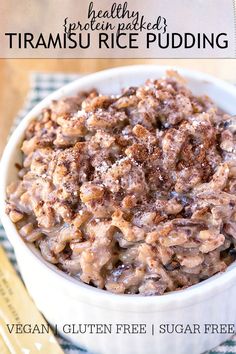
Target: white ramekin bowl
(64, 300)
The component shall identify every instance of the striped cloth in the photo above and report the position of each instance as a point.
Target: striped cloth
(43, 84)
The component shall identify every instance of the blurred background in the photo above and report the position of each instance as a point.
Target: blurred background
(15, 74)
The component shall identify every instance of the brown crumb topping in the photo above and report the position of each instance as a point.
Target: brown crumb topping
(133, 193)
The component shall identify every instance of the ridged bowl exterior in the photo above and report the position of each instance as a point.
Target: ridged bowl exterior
(63, 305)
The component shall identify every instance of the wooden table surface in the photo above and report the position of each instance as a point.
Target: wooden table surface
(15, 73)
